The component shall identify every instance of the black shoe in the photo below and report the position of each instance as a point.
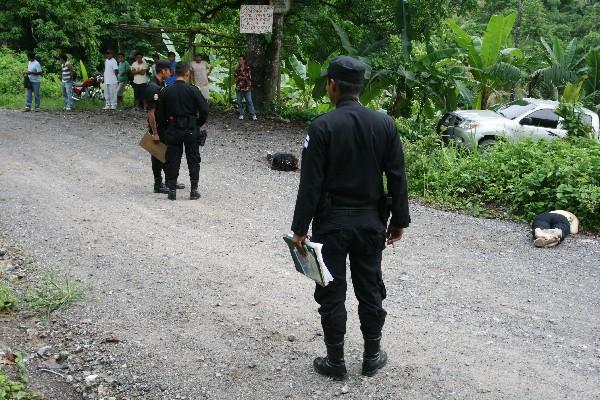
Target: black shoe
(333, 365)
(194, 194)
(180, 186)
(373, 357)
(172, 194)
(161, 188)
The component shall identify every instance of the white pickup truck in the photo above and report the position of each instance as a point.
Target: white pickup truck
(525, 118)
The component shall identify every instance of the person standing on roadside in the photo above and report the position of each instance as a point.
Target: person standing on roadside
(201, 70)
(139, 69)
(243, 86)
(346, 153)
(183, 108)
(123, 78)
(155, 59)
(67, 76)
(152, 94)
(172, 62)
(111, 73)
(33, 81)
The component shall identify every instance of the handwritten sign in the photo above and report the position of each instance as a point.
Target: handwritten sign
(256, 19)
(281, 6)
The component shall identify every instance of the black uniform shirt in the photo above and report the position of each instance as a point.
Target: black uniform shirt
(345, 154)
(152, 98)
(152, 94)
(183, 100)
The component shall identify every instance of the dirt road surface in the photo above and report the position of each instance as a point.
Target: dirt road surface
(207, 305)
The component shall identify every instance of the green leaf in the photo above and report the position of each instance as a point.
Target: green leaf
(343, 35)
(496, 34)
(84, 73)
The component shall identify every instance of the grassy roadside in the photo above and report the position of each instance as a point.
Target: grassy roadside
(56, 103)
(23, 290)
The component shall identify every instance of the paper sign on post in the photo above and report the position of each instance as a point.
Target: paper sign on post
(256, 19)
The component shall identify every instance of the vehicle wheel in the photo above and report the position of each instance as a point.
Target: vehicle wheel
(486, 143)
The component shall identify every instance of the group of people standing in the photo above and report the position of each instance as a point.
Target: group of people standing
(119, 72)
(175, 115)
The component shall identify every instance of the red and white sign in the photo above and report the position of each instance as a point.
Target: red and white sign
(256, 19)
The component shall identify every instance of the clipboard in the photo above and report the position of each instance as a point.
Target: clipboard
(157, 150)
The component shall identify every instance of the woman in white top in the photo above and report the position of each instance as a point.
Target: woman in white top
(201, 70)
(139, 70)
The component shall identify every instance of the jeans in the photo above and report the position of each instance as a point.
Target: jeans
(110, 94)
(67, 91)
(35, 89)
(245, 94)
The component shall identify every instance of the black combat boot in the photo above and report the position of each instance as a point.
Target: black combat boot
(172, 190)
(194, 194)
(160, 187)
(373, 357)
(333, 365)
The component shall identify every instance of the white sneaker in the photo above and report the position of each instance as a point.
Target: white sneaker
(241, 117)
(68, 109)
(106, 107)
(254, 118)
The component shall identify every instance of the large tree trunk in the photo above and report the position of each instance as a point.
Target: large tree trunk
(263, 56)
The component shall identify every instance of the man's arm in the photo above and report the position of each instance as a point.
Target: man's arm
(397, 186)
(312, 176)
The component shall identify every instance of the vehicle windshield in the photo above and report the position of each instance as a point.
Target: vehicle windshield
(515, 109)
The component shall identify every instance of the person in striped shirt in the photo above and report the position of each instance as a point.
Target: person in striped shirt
(67, 75)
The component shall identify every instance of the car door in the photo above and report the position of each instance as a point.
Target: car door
(541, 124)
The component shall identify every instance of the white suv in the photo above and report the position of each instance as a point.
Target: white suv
(525, 118)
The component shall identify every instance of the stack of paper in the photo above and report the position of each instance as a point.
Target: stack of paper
(311, 265)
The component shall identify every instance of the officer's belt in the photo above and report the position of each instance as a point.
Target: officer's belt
(341, 203)
(182, 121)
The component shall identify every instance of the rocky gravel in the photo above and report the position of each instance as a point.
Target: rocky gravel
(198, 300)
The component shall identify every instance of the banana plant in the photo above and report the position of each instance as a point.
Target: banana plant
(304, 76)
(563, 66)
(591, 80)
(492, 65)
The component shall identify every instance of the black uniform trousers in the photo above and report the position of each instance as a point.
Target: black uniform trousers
(176, 140)
(157, 168)
(359, 234)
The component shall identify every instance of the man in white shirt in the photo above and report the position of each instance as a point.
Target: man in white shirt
(111, 72)
(139, 69)
(33, 76)
(201, 69)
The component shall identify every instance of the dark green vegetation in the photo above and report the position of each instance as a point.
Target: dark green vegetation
(425, 57)
(510, 179)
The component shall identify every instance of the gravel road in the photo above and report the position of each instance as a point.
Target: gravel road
(207, 305)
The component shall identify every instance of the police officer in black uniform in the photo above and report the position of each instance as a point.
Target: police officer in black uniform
(152, 95)
(346, 153)
(184, 110)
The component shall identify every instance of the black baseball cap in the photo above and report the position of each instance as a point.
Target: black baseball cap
(347, 69)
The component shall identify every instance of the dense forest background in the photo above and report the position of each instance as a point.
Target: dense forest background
(411, 47)
(424, 57)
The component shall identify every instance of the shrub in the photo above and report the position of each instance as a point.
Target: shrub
(13, 64)
(523, 178)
